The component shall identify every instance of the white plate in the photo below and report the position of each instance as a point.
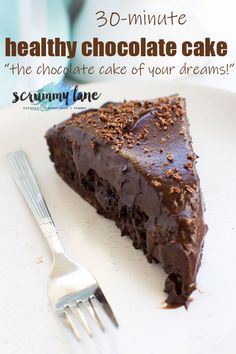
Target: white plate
(133, 286)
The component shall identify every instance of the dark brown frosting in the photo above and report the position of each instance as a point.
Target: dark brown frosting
(135, 163)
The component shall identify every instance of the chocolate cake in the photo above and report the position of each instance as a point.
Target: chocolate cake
(134, 162)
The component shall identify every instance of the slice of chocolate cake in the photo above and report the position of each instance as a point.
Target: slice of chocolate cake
(134, 162)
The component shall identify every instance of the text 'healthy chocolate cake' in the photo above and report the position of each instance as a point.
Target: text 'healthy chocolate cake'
(134, 162)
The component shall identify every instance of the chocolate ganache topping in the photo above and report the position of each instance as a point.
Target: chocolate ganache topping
(134, 162)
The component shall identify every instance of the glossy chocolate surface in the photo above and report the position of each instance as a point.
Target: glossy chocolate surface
(134, 162)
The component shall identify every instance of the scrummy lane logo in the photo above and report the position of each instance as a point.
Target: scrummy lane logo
(53, 96)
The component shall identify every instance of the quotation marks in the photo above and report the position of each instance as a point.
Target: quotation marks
(6, 65)
(229, 66)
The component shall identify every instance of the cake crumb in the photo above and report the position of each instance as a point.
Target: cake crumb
(143, 134)
(189, 221)
(177, 176)
(39, 260)
(156, 183)
(165, 164)
(182, 131)
(170, 157)
(192, 156)
(163, 140)
(174, 189)
(189, 189)
(188, 165)
(169, 173)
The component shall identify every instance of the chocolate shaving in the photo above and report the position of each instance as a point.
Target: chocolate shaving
(169, 157)
(177, 176)
(174, 189)
(155, 183)
(188, 165)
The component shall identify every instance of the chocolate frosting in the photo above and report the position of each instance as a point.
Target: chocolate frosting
(134, 162)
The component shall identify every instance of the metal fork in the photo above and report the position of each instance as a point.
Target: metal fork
(72, 289)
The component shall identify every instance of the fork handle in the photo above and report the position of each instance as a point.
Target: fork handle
(24, 177)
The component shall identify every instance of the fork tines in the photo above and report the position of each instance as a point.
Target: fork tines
(88, 305)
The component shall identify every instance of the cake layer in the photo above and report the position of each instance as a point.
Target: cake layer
(134, 163)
